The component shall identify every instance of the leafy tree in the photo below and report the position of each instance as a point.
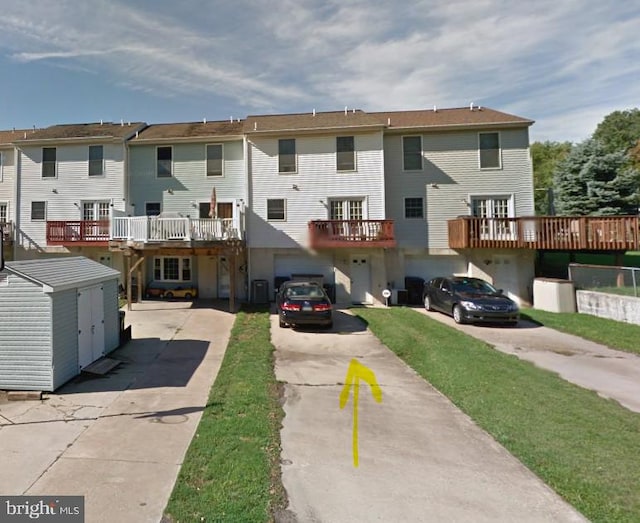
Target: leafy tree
(619, 131)
(545, 157)
(592, 181)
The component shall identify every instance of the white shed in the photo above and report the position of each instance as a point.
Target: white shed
(57, 315)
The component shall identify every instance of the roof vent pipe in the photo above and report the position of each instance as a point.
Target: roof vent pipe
(388, 121)
(471, 106)
(255, 126)
(345, 109)
(100, 121)
(204, 120)
(314, 111)
(231, 119)
(435, 109)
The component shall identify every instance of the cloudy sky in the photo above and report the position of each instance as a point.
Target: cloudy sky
(564, 63)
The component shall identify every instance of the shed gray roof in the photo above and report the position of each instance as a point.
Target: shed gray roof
(57, 274)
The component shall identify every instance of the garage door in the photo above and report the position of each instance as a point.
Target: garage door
(428, 267)
(286, 265)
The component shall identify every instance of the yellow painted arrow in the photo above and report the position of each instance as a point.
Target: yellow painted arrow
(355, 372)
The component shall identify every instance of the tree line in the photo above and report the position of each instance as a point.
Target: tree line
(599, 176)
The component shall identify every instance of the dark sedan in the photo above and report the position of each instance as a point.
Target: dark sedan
(469, 300)
(303, 303)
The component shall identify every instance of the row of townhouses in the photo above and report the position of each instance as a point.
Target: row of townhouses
(359, 199)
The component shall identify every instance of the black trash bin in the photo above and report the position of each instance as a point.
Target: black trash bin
(414, 286)
(260, 291)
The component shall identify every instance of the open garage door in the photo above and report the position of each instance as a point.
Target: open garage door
(427, 267)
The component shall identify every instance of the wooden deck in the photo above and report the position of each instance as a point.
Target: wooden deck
(566, 233)
(325, 234)
(78, 232)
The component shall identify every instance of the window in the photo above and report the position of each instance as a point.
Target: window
(152, 208)
(413, 208)
(276, 210)
(164, 156)
(95, 211)
(287, 156)
(345, 153)
(96, 160)
(214, 160)
(489, 150)
(412, 153)
(495, 212)
(171, 268)
(49, 162)
(346, 209)
(38, 211)
(4, 212)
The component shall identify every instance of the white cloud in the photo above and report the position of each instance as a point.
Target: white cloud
(560, 63)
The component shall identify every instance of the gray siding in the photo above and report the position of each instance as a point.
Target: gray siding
(316, 179)
(73, 185)
(65, 336)
(25, 336)
(451, 162)
(111, 316)
(189, 183)
(7, 181)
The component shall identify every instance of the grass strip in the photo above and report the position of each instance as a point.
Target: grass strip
(612, 333)
(231, 471)
(583, 446)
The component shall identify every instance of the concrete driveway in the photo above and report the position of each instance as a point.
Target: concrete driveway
(420, 458)
(119, 440)
(611, 373)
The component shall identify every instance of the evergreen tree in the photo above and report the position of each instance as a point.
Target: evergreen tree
(545, 157)
(592, 181)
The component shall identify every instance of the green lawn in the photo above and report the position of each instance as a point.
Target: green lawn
(231, 471)
(585, 447)
(614, 334)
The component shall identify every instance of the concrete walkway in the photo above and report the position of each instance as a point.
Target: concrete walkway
(420, 457)
(120, 440)
(611, 373)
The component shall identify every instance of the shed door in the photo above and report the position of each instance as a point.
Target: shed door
(90, 325)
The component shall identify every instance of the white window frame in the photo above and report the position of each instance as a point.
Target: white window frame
(157, 161)
(404, 167)
(4, 205)
(284, 210)
(353, 155)
(492, 167)
(206, 160)
(44, 219)
(89, 162)
(158, 264)
(55, 164)
(295, 156)
(421, 208)
(493, 229)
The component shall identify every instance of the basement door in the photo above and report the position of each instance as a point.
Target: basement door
(90, 325)
(360, 279)
(224, 280)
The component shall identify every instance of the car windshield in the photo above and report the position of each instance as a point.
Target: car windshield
(474, 287)
(304, 291)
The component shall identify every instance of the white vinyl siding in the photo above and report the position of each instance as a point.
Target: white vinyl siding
(189, 166)
(1, 166)
(72, 186)
(316, 183)
(451, 174)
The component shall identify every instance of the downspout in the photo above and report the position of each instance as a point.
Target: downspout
(16, 202)
(247, 206)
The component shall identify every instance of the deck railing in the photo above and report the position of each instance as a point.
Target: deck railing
(159, 229)
(351, 233)
(595, 233)
(77, 232)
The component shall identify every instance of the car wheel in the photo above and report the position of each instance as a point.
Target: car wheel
(188, 296)
(427, 303)
(457, 314)
(168, 295)
(329, 325)
(282, 324)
